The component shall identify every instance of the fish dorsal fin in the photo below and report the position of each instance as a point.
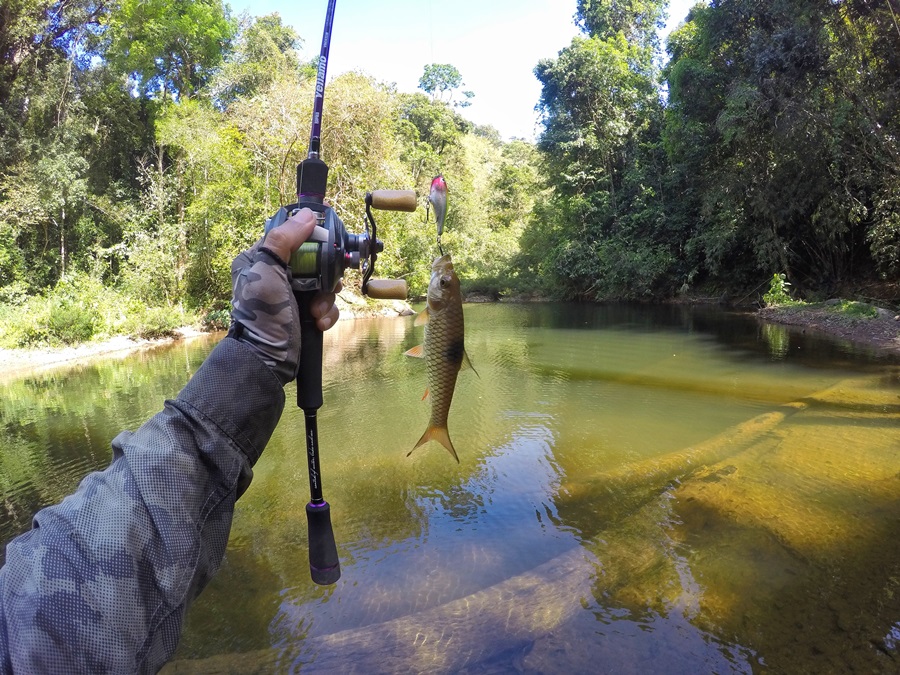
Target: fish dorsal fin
(417, 352)
(421, 318)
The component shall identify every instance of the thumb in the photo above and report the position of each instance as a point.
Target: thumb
(287, 237)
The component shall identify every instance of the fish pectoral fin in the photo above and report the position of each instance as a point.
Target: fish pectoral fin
(467, 364)
(421, 318)
(417, 352)
(425, 395)
(439, 434)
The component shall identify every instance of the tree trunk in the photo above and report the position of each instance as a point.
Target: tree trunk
(62, 242)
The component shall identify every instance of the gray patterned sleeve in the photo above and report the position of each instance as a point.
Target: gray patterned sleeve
(102, 582)
(264, 312)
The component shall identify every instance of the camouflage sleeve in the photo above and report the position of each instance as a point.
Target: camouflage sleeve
(264, 312)
(102, 581)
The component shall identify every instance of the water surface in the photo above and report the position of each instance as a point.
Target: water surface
(640, 490)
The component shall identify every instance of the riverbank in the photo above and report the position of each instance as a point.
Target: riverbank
(859, 323)
(17, 361)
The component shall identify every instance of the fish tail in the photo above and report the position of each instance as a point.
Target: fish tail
(439, 434)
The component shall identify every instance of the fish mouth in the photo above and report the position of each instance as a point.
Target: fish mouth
(442, 261)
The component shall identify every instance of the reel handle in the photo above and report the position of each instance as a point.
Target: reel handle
(387, 200)
(392, 200)
(387, 289)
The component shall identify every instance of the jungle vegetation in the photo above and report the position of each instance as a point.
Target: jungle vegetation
(143, 144)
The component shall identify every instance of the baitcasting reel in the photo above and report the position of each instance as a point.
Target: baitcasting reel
(319, 264)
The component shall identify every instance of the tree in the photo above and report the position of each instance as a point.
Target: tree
(31, 30)
(603, 229)
(169, 47)
(264, 51)
(428, 131)
(441, 79)
(637, 20)
(35, 37)
(776, 130)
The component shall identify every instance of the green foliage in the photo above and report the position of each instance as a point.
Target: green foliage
(777, 128)
(856, 310)
(440, 79)
(610, 235)
(265, 51)
(168, 47)
(71, 322)
(778, 291)
(154, 322)
(81, 308)
(637, 20)
(217, 319)
(884, 236)
(426, 130)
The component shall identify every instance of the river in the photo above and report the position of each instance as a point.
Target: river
(640, 489)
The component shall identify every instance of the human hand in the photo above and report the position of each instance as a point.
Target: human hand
(264, 311)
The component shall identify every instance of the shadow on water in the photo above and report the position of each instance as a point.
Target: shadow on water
(641, 489)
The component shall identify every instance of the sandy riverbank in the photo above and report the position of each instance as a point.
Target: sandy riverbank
(14, 362)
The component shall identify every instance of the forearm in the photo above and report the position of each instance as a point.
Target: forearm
(103, 580)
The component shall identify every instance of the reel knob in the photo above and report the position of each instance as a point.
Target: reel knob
(392, 200)
(387, 289)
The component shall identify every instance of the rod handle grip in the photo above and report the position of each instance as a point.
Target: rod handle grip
(324, 565)
(387, 289)
(309, 379)
(393, 200)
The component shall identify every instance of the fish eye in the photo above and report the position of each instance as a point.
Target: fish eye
(443, 283)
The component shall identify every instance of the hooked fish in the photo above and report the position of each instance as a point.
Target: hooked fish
(438, 199)
(443, 349)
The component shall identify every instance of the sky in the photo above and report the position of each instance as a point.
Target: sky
(495, 45)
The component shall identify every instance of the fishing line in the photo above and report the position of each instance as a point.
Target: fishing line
(432, 60)
(431, 27)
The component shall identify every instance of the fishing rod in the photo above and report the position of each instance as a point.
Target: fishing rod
(318, 265)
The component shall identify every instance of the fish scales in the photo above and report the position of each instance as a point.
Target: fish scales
(443, 349)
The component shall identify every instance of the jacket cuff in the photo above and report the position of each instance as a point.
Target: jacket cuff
(237, 391)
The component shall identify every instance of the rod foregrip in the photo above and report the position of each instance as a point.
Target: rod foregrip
(394, 200)
(324, 565)
(387, 289)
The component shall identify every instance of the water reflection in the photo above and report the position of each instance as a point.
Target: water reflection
(778, 338)
(56, 425)
(640, 490)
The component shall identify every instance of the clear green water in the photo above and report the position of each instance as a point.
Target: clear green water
(640, 490)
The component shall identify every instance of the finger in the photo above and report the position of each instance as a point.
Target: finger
(287, 237)
(321, 305)
(323, 302)
(329, 319)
